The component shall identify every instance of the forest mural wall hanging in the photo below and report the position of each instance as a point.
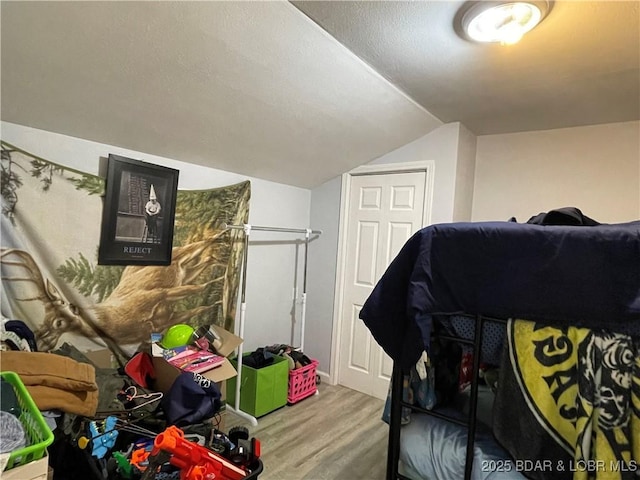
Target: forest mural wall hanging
(50, 276)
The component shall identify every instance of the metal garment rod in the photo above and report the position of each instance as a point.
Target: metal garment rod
(307, 231)
(243, 304)
(274, 229)
(243, 308)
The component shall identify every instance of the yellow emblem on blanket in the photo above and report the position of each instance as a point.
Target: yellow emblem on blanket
(546, 361)
(582, 386)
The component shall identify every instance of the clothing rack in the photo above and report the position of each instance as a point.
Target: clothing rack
(247, 228)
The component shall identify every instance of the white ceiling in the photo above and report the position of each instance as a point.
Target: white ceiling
(580, 66)
(258, 88)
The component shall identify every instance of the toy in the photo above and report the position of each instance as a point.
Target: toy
(102, 440)
(177, 336)
(194, 461)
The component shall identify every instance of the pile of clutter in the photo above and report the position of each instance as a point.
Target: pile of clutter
(115, 423)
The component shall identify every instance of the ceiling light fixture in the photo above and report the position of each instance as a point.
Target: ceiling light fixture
(504, 22)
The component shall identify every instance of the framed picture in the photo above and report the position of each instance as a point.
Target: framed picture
(138, 214)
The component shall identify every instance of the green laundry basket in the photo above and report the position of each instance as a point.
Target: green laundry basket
(39, 435)
(262, 390)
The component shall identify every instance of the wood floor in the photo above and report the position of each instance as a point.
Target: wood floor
(334, 435)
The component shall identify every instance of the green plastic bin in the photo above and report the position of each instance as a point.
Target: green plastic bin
(39, 435)
(262, 390)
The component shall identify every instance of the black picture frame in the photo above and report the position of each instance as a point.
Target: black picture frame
(131, 233)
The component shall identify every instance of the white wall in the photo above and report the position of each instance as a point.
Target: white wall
(325, 214)
(595, 168)
(441, 146)
(465, 175)
(452, 147)
(494, 177)
(275, 261)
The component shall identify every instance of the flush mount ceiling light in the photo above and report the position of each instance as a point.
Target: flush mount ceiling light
(504, 22)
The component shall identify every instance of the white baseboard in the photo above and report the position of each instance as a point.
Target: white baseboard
(325, 377)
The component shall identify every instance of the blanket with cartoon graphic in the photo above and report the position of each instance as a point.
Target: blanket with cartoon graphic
(568, 405)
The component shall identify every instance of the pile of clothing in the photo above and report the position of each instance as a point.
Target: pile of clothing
(259, 358)
(15, 335)
(295, 356)
(263, 356)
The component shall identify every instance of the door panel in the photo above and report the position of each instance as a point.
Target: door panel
(384, 210)
(366, 253)
(360, 352)
(399, 233)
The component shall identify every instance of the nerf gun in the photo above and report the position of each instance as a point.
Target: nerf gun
(194, 461)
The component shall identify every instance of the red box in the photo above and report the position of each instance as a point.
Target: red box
(302, 382)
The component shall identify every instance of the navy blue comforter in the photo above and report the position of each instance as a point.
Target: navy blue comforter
(557, 275)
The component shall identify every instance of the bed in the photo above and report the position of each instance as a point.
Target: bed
(568, 299)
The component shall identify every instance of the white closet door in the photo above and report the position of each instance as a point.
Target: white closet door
(384, 211)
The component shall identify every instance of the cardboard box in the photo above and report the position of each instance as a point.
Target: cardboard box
(262, 390)
(102, 358)
(167, 373)
(36, 470)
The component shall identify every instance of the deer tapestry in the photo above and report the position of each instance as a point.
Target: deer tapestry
(51, 280)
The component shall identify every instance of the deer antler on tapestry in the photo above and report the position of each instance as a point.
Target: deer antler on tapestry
(144, 300)
(60, 315)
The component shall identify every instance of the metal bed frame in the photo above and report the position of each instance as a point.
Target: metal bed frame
(393, 452)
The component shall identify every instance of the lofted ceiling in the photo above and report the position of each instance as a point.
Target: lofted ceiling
(580, 66)
(300, 92)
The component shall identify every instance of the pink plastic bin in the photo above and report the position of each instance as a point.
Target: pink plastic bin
(302, 382)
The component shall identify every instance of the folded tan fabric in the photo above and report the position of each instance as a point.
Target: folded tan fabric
(48, 398)
(54, 381)
(51, 370)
